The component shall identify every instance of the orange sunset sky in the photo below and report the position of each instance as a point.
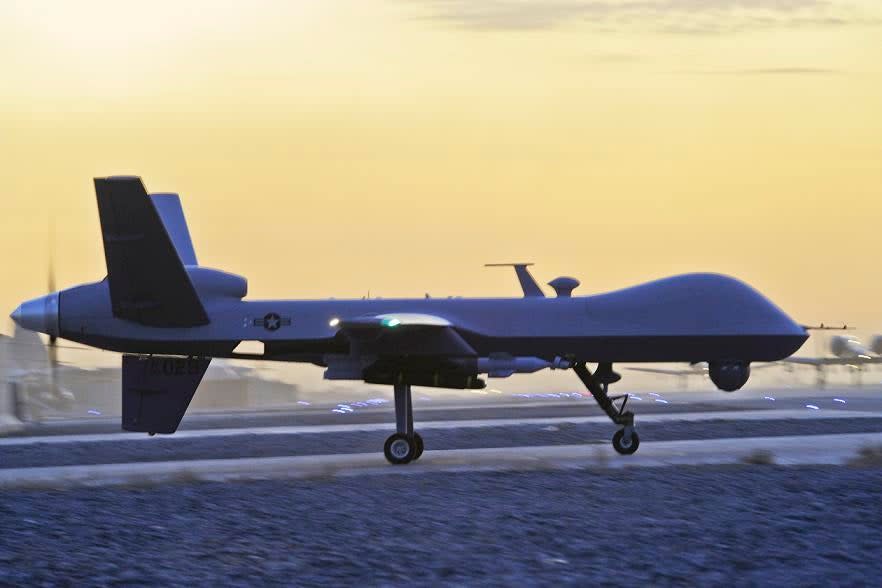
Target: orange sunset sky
(328, 148)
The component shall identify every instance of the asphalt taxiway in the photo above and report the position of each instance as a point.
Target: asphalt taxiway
(794, 426)
(435, 406)
(783, 450)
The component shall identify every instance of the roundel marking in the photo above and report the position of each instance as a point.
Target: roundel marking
(272, 322)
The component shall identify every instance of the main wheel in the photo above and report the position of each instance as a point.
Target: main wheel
(623, 446)
(418, 441)
(399, 449)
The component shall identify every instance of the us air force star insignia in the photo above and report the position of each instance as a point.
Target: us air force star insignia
(272, 322)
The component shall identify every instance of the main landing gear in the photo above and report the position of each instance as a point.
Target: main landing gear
(625, 441)
(405, 445)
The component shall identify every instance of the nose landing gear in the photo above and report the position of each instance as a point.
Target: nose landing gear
(625, 441)
(405, 445)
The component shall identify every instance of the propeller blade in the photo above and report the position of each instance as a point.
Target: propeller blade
(51, 255)
(52, 349)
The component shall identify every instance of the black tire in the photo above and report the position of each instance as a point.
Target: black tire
(418, 441)
(621, 447)
(399, 449)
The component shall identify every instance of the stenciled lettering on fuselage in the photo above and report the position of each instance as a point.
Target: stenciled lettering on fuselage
(174, 366)
(272, 322)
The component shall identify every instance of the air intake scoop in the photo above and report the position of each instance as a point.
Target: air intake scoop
(564, 286)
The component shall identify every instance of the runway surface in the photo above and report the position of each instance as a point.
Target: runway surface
(785, 450)
(365, 410)
(774, 488)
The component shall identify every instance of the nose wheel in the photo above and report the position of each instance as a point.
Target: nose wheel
(625, 441)
(405, 445)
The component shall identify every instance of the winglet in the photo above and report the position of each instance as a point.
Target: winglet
(528, 284)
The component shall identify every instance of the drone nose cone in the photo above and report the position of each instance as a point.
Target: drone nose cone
(39, 314)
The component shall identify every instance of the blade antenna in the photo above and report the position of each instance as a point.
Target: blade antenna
(528, 284)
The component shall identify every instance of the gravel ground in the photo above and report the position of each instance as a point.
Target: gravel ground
(244, 446)
(732, 526)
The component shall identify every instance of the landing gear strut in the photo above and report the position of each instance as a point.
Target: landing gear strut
(625, 441)
(405, 445)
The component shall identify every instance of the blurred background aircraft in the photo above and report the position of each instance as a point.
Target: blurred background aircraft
(699, 368)
(846, 351)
